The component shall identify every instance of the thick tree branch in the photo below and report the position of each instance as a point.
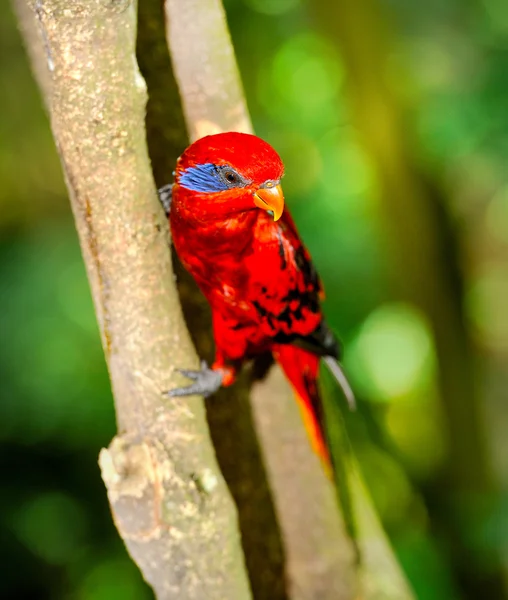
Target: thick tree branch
(168, 497)
(320, 555)
(205, 67)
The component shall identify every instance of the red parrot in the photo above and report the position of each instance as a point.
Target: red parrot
(231, 232)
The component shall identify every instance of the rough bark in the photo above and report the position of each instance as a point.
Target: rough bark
(167, 495)
(320, 556)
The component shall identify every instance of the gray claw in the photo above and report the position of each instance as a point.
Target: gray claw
(194, 375)
(207, 382)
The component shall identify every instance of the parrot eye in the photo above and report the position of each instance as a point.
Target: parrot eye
(232, 178)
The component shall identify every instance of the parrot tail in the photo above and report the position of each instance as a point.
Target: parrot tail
(302, 369)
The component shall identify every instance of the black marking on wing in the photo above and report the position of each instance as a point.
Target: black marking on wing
(321, 341)
(307, 299)
(307, 268)
(297, 303)
(262, 312)
(305, 294)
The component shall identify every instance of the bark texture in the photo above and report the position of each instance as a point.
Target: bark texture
(205, 67)
(168, 497)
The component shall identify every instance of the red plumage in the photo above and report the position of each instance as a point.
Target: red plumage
(254, 271)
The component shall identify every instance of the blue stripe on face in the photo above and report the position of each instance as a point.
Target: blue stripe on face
(203, 178)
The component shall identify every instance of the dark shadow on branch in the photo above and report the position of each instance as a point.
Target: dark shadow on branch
(229, 414)
(239, 456)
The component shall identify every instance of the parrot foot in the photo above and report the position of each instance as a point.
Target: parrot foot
(206, 382)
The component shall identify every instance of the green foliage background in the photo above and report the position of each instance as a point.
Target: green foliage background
(446, 65)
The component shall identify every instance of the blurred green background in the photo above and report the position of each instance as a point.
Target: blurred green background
(391, 118)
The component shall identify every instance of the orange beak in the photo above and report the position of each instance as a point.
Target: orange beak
(270, 198)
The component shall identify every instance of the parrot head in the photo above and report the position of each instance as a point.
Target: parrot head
(221, 175)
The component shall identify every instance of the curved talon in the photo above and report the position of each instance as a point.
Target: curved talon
(207, 382)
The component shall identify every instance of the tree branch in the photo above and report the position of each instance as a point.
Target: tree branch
(168, 498)
(205, 67)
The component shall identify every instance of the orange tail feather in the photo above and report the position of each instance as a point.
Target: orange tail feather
(302, 368)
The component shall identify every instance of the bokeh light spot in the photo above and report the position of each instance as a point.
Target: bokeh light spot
(52, 525)
(348, 169)
(392, 352)
(305, 77)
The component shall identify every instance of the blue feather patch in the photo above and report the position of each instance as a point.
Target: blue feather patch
(203, 178)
